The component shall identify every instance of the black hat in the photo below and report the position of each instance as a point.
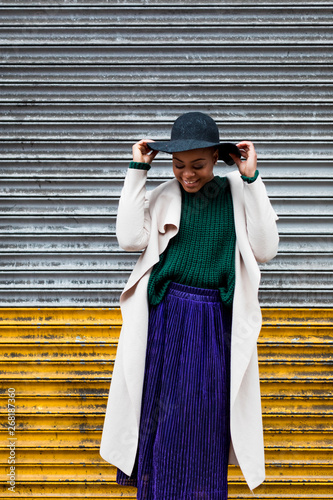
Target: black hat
(195, 130)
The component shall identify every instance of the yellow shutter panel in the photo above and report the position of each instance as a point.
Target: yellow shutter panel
(59, 363)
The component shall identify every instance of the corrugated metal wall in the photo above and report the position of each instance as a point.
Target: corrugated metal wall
(80, 83)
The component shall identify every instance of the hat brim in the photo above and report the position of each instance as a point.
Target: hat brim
(186, 145)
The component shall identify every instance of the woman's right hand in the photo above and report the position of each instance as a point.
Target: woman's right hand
(142, 153)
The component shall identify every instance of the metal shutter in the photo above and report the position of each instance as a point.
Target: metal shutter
(80, 83)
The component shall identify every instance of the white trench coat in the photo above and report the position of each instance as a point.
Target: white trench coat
(146, 220)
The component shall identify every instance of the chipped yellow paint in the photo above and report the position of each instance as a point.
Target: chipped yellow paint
(60, 363)
(60, 334)
(297, 316)
(60, 316)
(49, 472)
(112, 316)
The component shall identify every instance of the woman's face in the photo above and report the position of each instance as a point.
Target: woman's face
(195, 167)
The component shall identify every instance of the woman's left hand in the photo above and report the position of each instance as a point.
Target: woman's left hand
(249, 166)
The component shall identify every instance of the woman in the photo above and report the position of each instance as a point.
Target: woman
(185, 398)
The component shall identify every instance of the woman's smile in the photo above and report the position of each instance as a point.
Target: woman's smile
(195, 167)
(190, 183)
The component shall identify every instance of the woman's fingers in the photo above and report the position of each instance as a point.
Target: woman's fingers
(246, 148)
(249, 165)
(142, 152)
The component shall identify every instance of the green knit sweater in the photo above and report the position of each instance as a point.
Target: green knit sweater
(202, 253)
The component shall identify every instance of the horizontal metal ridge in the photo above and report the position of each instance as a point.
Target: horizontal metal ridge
(89, 477)
(71, 456)
(236, 489)
(142, 113)
(165, 54)
(116, 169)
(95, 206)
(176, 74)
(62, 371)
(160, 35)
(11, 260)
(300, 335)
(74, 406)
(106, 243)
(91, 439)
(93, 280)
(109, 297)
(295, 262)
(178, 16)
(75, 352)
(82, 224)
(268, 148)
(166, 3)
(296, 279)
(294, 298)
(57, 371)
(297, 353)
(304, 225)
(66, 261)
(103, 243)
(62, 335)
(121, 131)
(206, 90)
(277, 189)
(75, 333)
(100, 388)
(27, 337)
(120, 276)
(95, 316)
(98, 225)
(94, 421)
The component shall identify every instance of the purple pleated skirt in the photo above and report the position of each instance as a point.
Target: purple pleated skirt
(184, 432)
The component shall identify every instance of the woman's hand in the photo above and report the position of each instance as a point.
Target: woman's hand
(249, 166)
(142, 153)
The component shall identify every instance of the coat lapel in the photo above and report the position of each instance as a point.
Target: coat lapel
(165, 209)
(246, 310)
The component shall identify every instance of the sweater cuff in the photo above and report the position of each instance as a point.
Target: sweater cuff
(139, 165)
(250, 179)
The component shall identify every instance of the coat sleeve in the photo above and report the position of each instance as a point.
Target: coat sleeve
(133, 217)
(260, 221)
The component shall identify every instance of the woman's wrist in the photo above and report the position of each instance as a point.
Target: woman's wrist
(250, 179)
(139, 165)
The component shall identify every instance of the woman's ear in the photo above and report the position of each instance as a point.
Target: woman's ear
(216, 155)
